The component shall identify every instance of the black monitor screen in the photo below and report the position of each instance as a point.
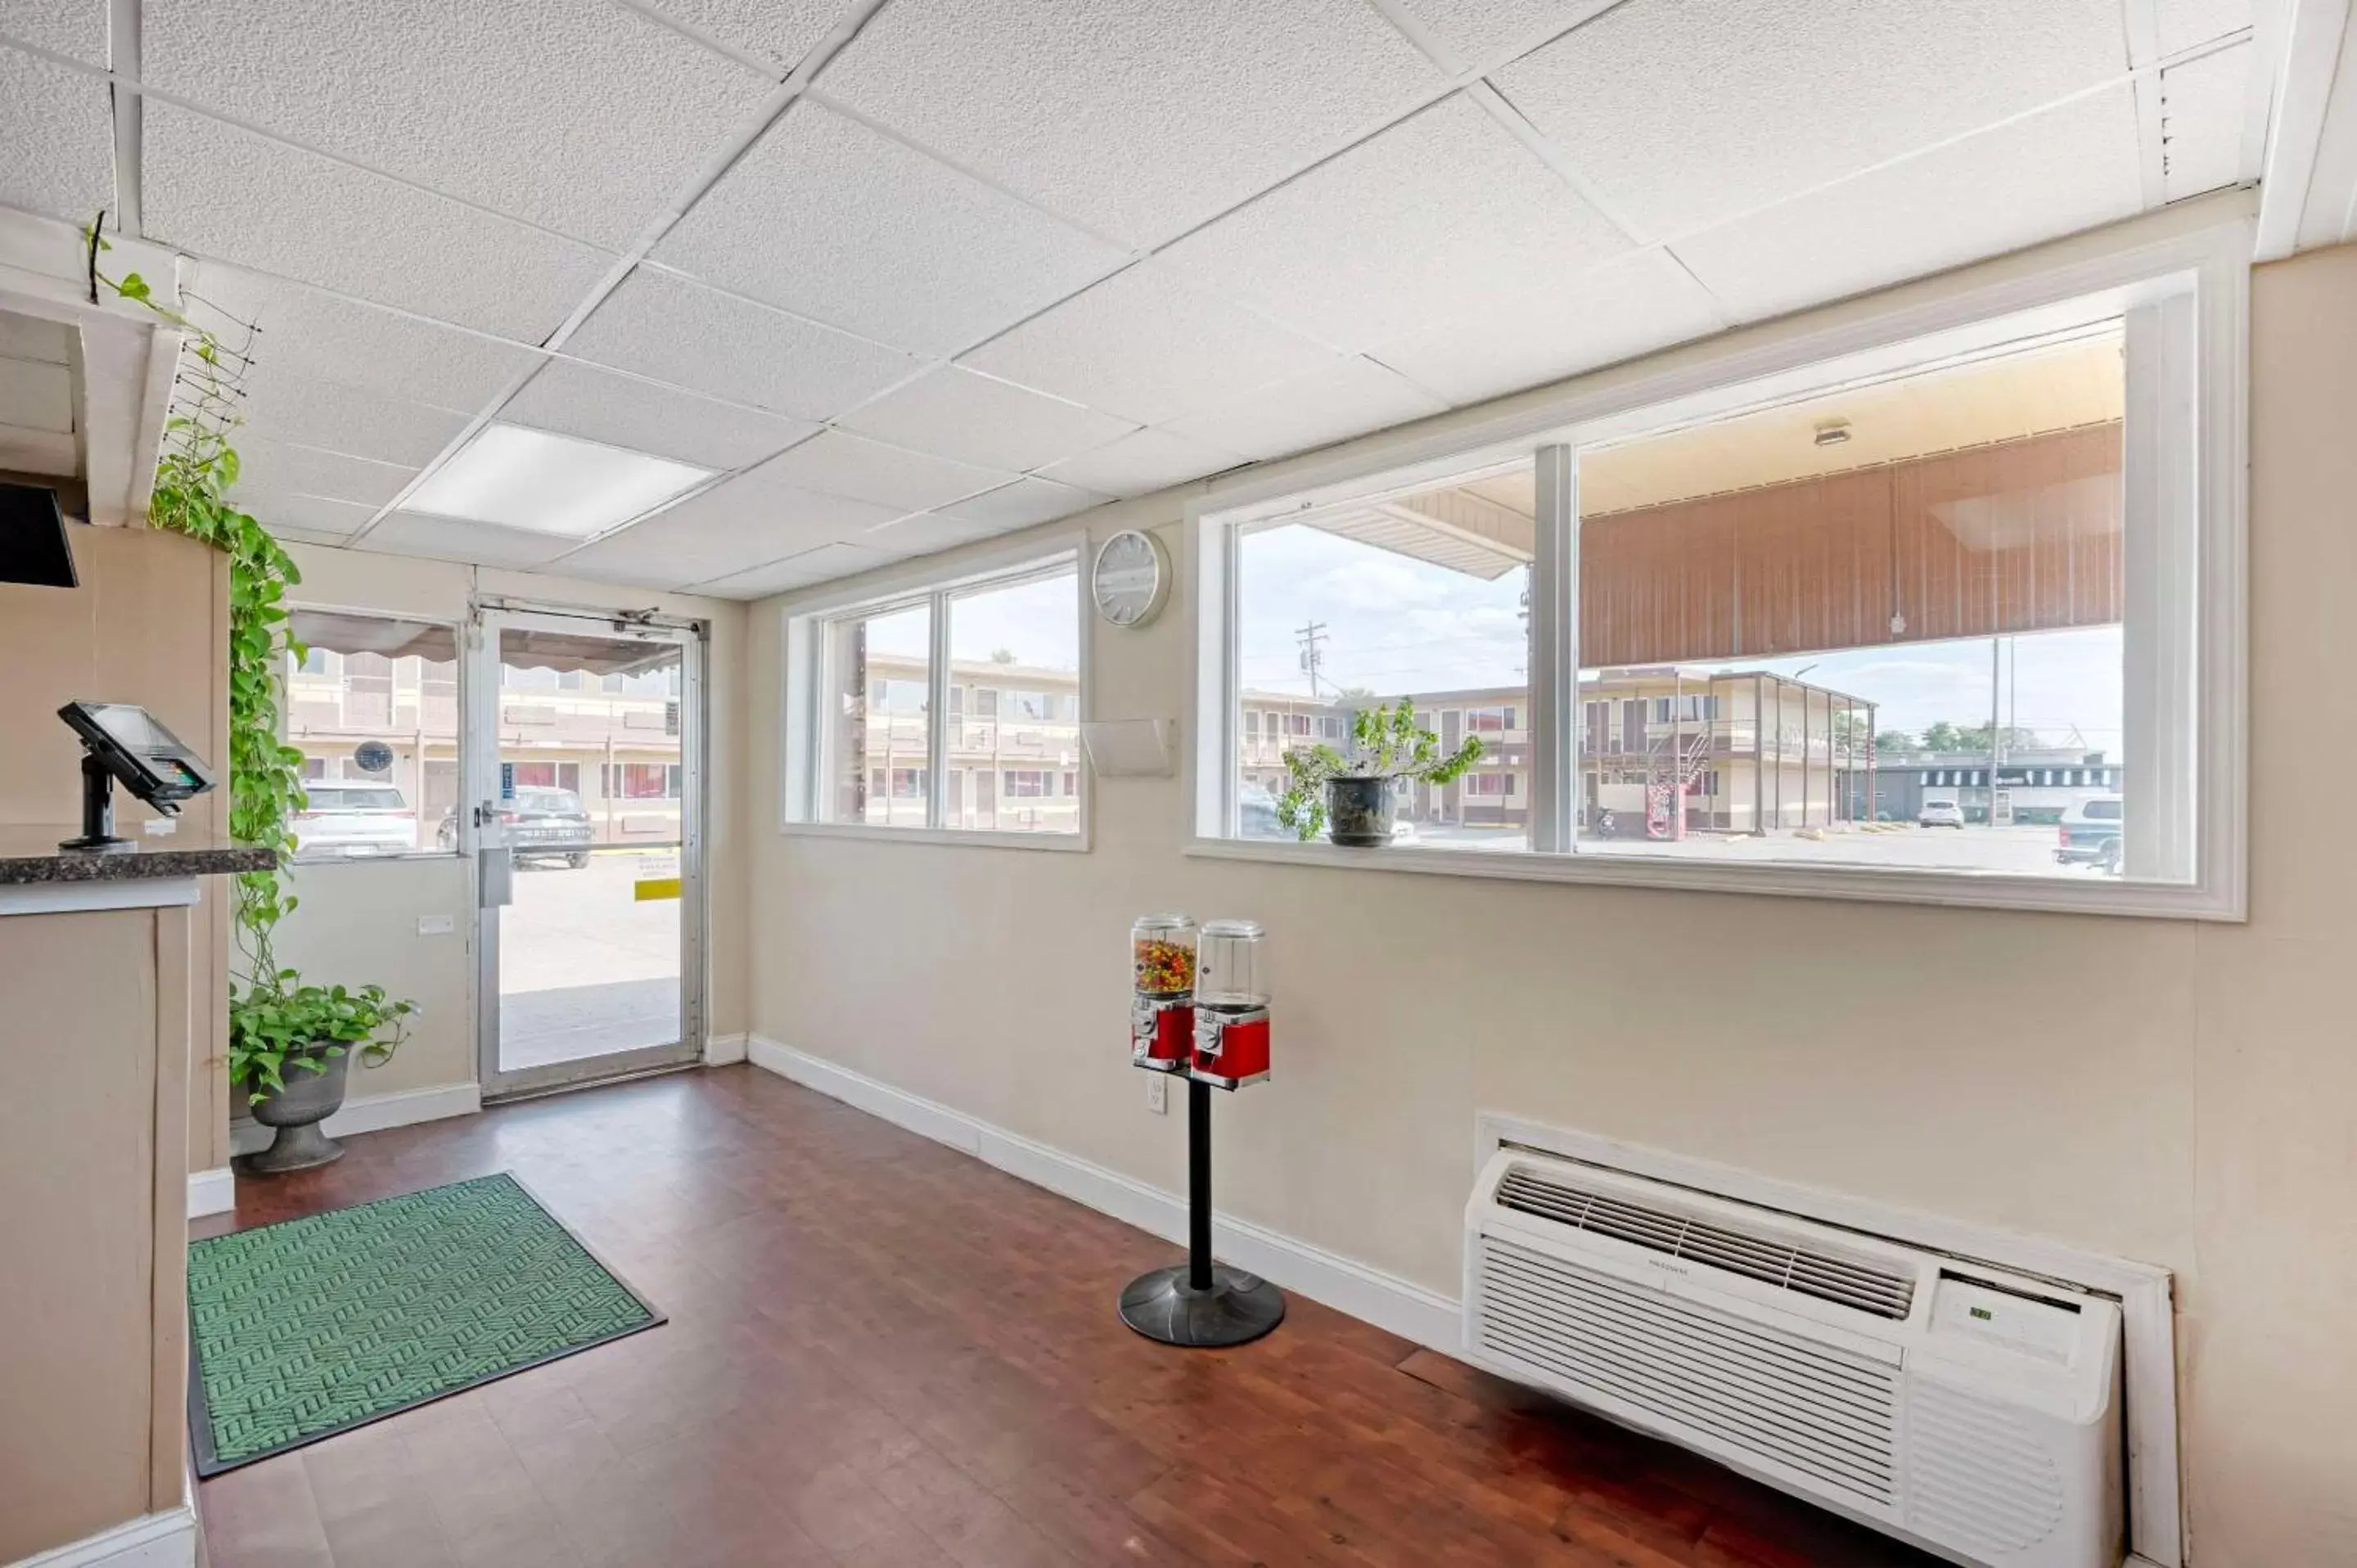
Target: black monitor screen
(130, 727)
(32, 546)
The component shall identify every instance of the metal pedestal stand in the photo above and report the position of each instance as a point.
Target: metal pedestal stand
(1199, 1302)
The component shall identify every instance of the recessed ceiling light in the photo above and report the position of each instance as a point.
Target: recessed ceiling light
(1833, 433)
(549, 484)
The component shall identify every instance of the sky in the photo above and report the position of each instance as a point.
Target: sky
(1034, 621)
(1395, 625)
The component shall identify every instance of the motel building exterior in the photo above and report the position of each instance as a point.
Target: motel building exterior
(613, 740)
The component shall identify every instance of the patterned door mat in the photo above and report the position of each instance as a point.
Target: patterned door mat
(312, 1327)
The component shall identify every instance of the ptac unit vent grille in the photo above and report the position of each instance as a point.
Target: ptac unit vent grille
(1820, 1411)
(1811, 1270)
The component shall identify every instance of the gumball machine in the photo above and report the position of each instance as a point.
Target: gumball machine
(1231, 1048)
(1224, 1045)
(1162, 1006)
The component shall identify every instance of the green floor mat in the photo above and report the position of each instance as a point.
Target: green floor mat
(312, 1327)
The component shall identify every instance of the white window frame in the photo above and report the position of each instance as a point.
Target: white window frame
(2188, 600)
(803, 623)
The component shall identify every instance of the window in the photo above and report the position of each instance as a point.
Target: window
(373, 707)
(878, 673)
(963, 712)
(1729, 636)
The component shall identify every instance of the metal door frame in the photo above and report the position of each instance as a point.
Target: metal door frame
(480, 692)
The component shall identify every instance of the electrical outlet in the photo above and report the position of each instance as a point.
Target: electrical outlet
(435, 925)
(1158, 1092)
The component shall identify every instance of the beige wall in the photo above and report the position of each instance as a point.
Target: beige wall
(149, 625)
(358, 923)
(2178, 1093)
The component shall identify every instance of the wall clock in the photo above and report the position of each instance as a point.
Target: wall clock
(1131, 578)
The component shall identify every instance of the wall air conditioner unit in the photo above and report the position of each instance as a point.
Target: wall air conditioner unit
(1970, 1412)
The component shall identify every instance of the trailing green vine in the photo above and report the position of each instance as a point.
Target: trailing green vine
(275, 1020)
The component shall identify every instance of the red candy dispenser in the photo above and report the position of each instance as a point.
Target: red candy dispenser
(1231, 1005)
(1162, 1011)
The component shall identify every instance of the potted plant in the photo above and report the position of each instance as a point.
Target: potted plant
(290, 1046)
(1350, 797)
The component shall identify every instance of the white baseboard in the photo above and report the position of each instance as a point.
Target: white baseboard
(211, 1192)
(720, 1050)
(166, 1539)
(374, 1113)
(1384, 1300)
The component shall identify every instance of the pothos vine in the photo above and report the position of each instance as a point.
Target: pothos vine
(276, 1021)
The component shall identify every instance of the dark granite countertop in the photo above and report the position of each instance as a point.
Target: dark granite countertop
(30, 855)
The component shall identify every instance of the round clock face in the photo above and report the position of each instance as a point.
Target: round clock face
(1131, 579)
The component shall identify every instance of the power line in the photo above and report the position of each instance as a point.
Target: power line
(1313, 654)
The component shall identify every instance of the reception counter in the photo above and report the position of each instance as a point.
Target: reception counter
(96, 1020)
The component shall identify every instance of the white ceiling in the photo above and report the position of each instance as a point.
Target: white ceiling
(912, 272)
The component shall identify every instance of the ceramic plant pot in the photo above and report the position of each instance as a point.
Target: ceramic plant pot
(1358, 811)
(308, 1098)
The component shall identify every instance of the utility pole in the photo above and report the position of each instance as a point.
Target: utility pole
(1313, 654)
(1997, 735)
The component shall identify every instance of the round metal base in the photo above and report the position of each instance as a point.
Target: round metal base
(294, 1149)
(1237, 1309)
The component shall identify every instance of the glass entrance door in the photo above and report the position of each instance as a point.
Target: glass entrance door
(588, 836)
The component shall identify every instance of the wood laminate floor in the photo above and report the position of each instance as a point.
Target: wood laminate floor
(883, 1354)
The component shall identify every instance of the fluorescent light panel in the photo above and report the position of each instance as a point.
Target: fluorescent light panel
(549, 484)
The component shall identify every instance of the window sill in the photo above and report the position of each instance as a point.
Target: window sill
(1945, 888)
(970, 838)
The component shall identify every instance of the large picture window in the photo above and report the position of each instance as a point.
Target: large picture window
(952, 709)
(1947, 615)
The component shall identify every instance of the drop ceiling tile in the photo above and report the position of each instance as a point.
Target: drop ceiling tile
(312, 517)
(842, 463)
(1145, 461)
(448, 539)
(301, 410)
(1410, 225)
(587, 119)
(927, 533)
(2202, 105)
(676, 331)
(1628, 306)
(730, 528)
(2069, 169)
(304, 332)
(73, 27)
(60, 137)
(1350, 398)
(1020, 505)
(1137, 118)
(823, 565)
(1480, 31)
(780, 31)
(1687, 112)
(839, 223)
(979, 420)
(241, 198)
(267, 467)
(573, 399)
(1144, 346)
(2185, 23)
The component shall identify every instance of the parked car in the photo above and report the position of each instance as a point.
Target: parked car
(1940, 814)
(2090, 832)
(353, 818)
(542, 823)
(1256, 813)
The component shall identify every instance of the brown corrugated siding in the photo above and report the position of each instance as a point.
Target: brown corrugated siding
(2020, 537)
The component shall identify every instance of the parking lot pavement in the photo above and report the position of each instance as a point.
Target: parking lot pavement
(585, 967)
